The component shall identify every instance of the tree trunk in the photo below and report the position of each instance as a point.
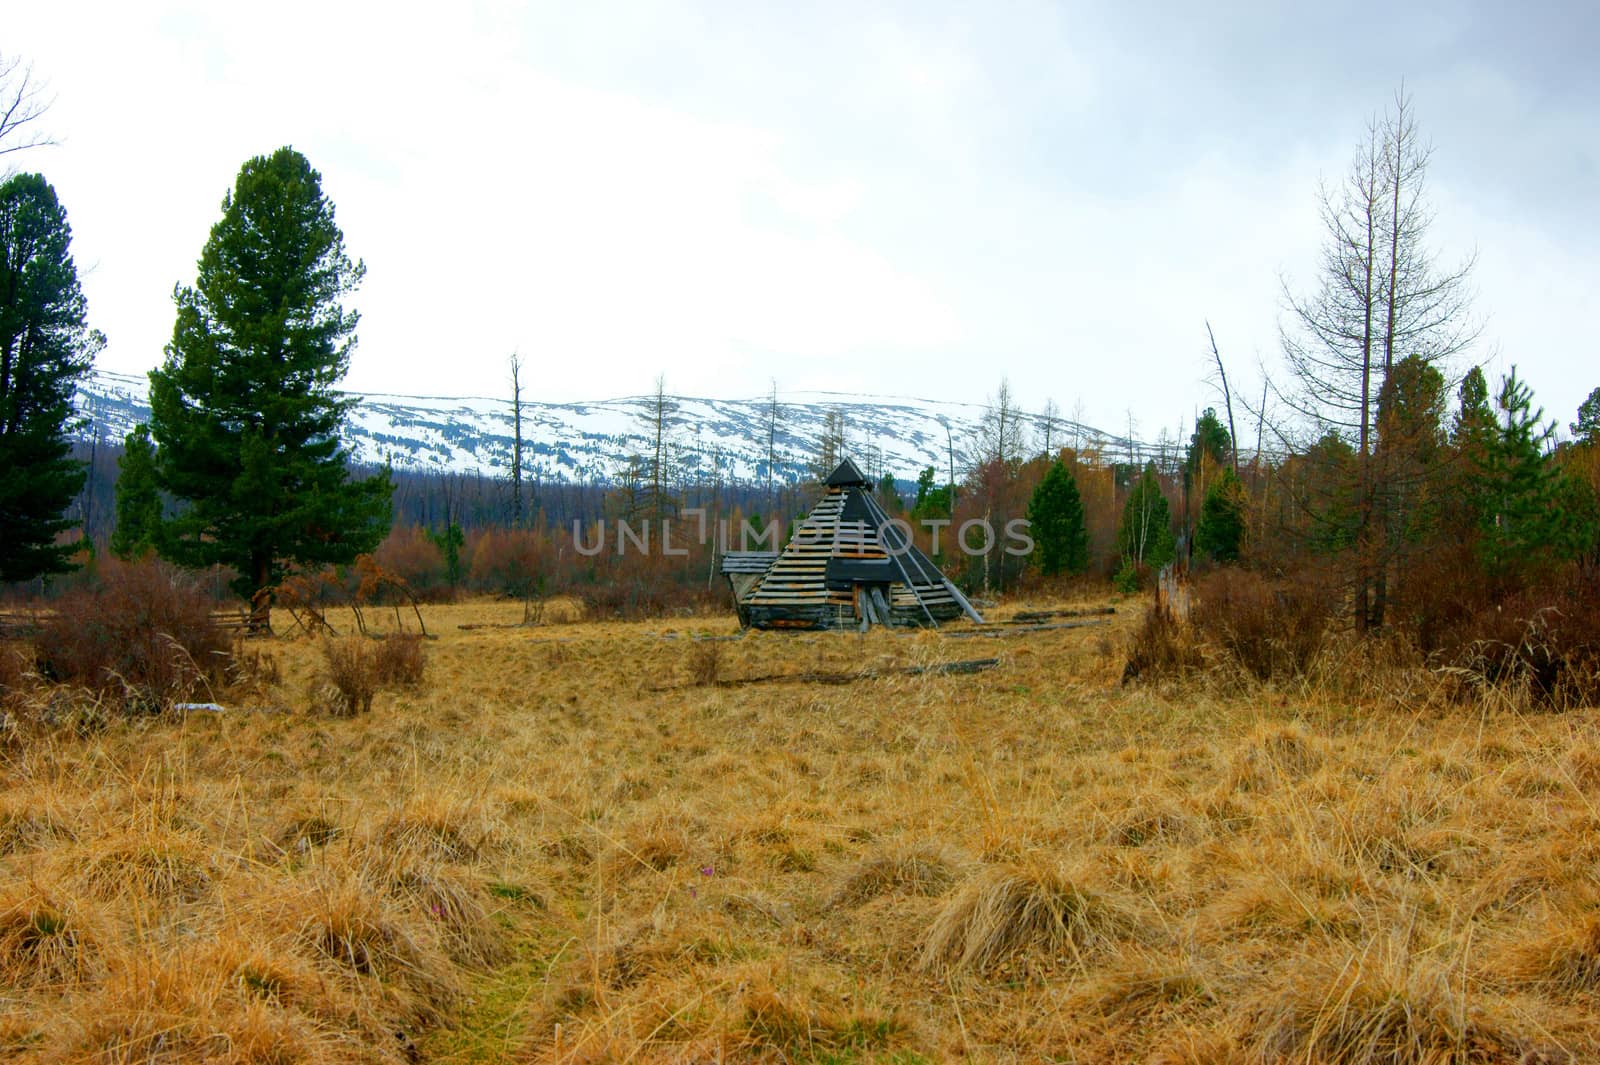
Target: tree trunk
(261, 600)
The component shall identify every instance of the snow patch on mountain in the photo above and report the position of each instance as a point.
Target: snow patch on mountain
(592, 441)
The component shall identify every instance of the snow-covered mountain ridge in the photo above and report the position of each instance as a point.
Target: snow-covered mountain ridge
(591, 441)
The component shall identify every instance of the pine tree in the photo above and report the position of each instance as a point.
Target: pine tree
(1055, 514)
(1145, 536)
(1221, 529)
(138, 497)
(1522, 522)
(46, 346)
(244, 410)
(889, 493)
(1209, 447)
(1587, 428)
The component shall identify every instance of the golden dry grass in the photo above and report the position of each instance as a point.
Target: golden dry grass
(587, 842)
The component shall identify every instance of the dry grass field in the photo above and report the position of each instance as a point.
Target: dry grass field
(582, 843)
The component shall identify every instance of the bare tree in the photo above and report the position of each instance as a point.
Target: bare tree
(1381, 295)
(998, 436)
(831, 444)
(1078, 414)
(1049, 423)
(1227, 396)
(516, 440)
(950, 457)
(659, 415)
(774, 414)
(22, 104)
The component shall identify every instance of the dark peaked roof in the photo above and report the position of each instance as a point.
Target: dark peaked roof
(845, 476)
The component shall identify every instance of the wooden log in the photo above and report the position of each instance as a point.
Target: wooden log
(975, 665)
(1023, 630)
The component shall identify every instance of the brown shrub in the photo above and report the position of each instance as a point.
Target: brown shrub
(411, 555)
(144, 635)
(356, 668)
(1161, 648)
(400, 660)
(1542, 642)
(351, 673)
(1272, 629)
(16, 669)
(705, 663)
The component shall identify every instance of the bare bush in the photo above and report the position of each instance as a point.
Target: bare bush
(1273, 630)
(400, 660)
(352, 675)
(1161, 648)
(143, 636)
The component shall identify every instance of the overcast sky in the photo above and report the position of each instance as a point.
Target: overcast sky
(895, 199)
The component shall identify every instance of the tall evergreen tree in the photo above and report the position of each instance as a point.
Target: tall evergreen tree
(244, 410)
(138, 497)
(1523, 522)
(46, 346)
(1587, 428)
(1221, 530)
(1209, 447)
(1474, 423)
(1056, 517)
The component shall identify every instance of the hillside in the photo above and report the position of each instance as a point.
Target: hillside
(590, 441)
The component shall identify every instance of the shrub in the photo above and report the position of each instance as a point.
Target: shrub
(412, 556)
(400, 660)
(352, 675)
(1271, 629)
(16, 670)
(356, 668)
(144, 634)
(1161, 648)
(1543, 643)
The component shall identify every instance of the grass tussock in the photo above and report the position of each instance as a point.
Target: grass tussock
(1020, 918)
(149, 864)
(44, 939)
(1563, 958)
(1381, 1006)
(797, 1027)
(906, 870)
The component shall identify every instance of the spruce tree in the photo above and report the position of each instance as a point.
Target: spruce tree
(1523, 523)
(1587, 428)
(244, 410)
(1056, 519)
(46, 346)
(1209, 447)
(138, 497)
(1221, 529)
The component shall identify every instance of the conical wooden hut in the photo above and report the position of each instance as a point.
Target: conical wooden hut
(847, 566)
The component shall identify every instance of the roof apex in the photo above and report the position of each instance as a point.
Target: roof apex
(845, 475)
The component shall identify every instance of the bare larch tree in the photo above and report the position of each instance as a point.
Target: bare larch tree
(1382, 295)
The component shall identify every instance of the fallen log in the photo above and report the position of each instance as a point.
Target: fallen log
(976, 665)
(1032, 617)
(1021, 630)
